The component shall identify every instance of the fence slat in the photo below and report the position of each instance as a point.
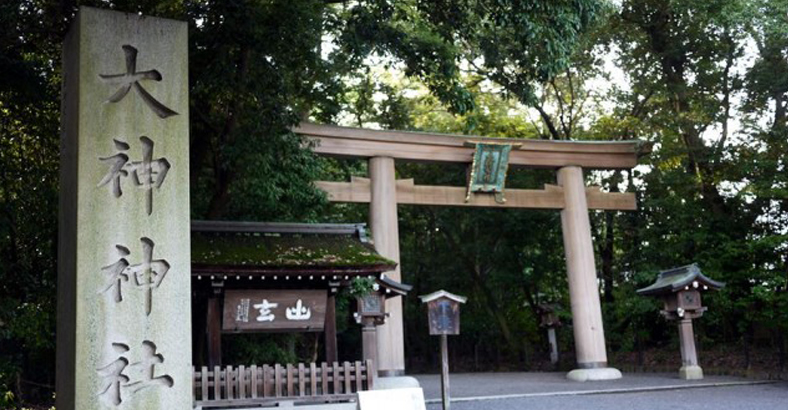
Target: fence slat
(253, 381)
(204, 383)
(228, 381)
(347, 378)
(278, 380)
(370, 375)
(241, 382)
(359, 387)
(324, 377)
(217, 383)
(312, 379)
(335, 374)
(301, 381)
(267, 391)
(290, 381)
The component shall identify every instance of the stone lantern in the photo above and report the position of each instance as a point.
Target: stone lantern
(680, 290)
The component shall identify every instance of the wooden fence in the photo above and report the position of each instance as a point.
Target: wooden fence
(323, 382)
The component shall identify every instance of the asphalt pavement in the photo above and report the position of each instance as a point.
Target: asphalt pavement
(547, 391)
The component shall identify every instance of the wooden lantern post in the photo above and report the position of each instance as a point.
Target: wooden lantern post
(680, 288)
(371, 313)
(550, 321)
(443, 309)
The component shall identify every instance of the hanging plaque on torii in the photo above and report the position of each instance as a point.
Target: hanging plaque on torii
(487, 173)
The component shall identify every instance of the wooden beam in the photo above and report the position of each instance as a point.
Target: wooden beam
(430, 147)
(552, 197)
(610, 201)
(277, 227)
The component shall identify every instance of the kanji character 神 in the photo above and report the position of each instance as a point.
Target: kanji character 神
(147, 274)
(147, 174)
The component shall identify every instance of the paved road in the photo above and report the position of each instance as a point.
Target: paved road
(547, 391)
(493, 384)
(752, 397)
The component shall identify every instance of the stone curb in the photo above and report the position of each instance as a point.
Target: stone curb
(605, 391)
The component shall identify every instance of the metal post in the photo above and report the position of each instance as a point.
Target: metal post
(445, 372)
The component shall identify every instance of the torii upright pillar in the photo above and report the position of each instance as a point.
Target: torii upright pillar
(583, 289)
(383, 222)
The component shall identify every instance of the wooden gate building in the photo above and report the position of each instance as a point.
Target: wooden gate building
(276, 278)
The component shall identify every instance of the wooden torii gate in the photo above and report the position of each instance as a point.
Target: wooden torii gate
(570, 195)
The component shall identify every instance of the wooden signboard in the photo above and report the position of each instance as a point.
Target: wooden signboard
(444, 317)
(274, 310)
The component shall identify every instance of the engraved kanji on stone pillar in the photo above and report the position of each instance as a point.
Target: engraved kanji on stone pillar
(148, 274)
(121, 379)
(147, 174)
(112, 376)
(131, 79)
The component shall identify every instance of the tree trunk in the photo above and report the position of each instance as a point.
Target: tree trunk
(779, 111)
(221, 194)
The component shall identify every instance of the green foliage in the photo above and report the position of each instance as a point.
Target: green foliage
(513, 43)
(264, 348)
(361, 286)
(7, 398)
(256, 67)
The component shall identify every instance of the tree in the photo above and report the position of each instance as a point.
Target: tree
(707, 194)
(256, 69)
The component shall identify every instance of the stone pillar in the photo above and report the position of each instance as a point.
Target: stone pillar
(583, 289)
(124, 303)
(690, 370)
(385, 234)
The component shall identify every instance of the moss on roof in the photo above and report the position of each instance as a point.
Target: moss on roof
(283, 251)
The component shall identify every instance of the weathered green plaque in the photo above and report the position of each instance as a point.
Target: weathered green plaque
(488, 170)
(124, 305)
